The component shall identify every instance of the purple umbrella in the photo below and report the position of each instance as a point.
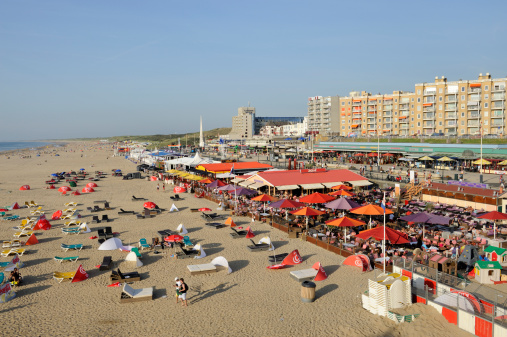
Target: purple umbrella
(216, 183)
(342, 203)
(227, 188)
(244, 191)
(426, 218)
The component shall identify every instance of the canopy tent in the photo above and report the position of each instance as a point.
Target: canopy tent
(111, 244)
(132, 257)
(425, 158)
(481, 162)
(445, 159)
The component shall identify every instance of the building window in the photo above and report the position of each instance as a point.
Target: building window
(462, 131)
(440, 115)
(485, 105)
(343, 127)
(412, 100)
(485, 122)
(412, 119)
(418, 99)
(418, 116)
(380, 101)
(440, 107)
(419, 91)
(395, 126)
(486, 87)
(440, 123)
(462, 114)
(486, 96)
(418, 124)
(462, 97)
(440, 90)
(396, 106)
(412, 113)
(349, 102)
(462, 89)
(418, 108)
(440, 99)
(462, 106)
(462, 122)
(486, 113)
(395, 100)
(412, 106)
(343, 103)
(412, 126)
(396, 113)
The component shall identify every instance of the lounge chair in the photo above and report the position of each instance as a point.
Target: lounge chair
(105, 218)
(66, 216)
(67, 247)
(109, 232)
(96, 209)
(205, 268)
(63, 276)
(237, 234)
(69, 210)
(95, 219)
(194, 210)
(101, 234)
(11, 244)
(71, 230)
(64, 259)
(257, 247)
(277, 258)
(210, 217)
(118, 276)
(187, 242)
(27, 204)
(99, 201)
(130, 294)
(216, 225)
(137, 199)
(106, 206)
(107, 263)
(176, 197)
(143, 244)
(140, 216)
(70, 204)
(13, 251)
(37, 211)
(22, 233)
(124, 212)
(72, 223)
(304, 275)
(33, 203)
(136, 250)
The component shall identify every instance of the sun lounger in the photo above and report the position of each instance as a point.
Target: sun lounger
(137, 199)
(109, 232)
(38, 210)
(194, 210)
(277, 258)
(105, 218)
(69, 210)
(22, 233)
(238, 234)
(216, 225)
(187, 253)
(210, 217)
(99, 201)
(67, 247)
(304, 275)
(118, 276)
(13, 251)
(72, 223)
(71, 230)
(136, 250)
(205, 268)
(33, 203)
(70, 204)
(106, 206)
(187, 242)
(63, 276)
(143, 244)
(107, 263)
(176, 197)
(27, 204)
(11, 244)
(95, 219)
(123, 212)
(130, 294)
(64, 259)
(96, 209)
(257, 247)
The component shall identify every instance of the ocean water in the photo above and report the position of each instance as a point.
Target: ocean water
(8, 146)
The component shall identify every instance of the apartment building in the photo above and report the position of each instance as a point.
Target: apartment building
(323, 114)
(243, 125)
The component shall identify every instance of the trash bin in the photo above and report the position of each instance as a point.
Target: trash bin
(456, 177)
(307, 292)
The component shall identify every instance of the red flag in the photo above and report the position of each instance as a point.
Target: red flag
(15, 206)
(292, 259)
(32, 240)
(81, 274)
(249, 233)
(321, 273)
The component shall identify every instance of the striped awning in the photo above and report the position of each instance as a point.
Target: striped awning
(311, 186)
(329, 185)
(360, 183)
(287, 187)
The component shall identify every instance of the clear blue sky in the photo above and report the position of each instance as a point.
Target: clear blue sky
(104, 68)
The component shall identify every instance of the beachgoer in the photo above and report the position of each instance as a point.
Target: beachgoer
(15, 277)
(183, 292)
(177, 286)
(163, 187)
(158, 187)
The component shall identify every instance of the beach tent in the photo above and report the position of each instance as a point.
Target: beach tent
(181, 229)
(220, 261)
(362, 261)
(56, 215)
(6, 292)
(91, 185)
(179, 189)
(76, 193)
(14, 206)
(32, 240)
(111, 244)
(173, 208)
(267, 241)
(52, 187)
(24, 188)
(249, 233)
(81, 274)
(15, 263)
(132, 257)
(321, 273)
(292, 259)
(230, 222)
(64, 189)
(84, 227)
(153, 178)
(198, 248)
(42, 224)
(468, 257)
(87, 190)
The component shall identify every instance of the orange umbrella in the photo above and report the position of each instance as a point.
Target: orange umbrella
(342, 193)
(206, 181)
(370, 209)
(345, 222)
(316, 198)
(307, 211)
(263, 198)
(341, 187)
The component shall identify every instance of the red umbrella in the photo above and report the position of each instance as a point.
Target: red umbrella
(52, 187)
(206, 181)
(76, 193)
(359, 155)
(91, 185)
(341, 192)
(24, 188)
(393, 236)
(174, 238)
(495, 215)
(345, 222)
(179, 189)
(370, 210)
(388, 155)
(56, 215)
(87, 190)
(286, 203)
(64, 189)
(341, 187)
(263, 198)
(150, 205)
(316, 198)
(205, 209)
(307, 211)
(372, 154)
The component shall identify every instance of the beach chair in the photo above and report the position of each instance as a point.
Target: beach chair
(64, 259)
(96, 209)
(187, 242)
(215, 225)
(71, 230)
(206, 268)
(277, 258)
(304, 275)
(27, 204)
(72, 223)
(66, 216)
(210, 217)
(99, 201)
(11, 244)
(136, 250)
(237, 234)
(95, 219)
(143, 244)
(109, 232)
(176, 197)
(107, 263)
(12, 251)
(70, 204)
(69, 210)
(75, 247)
(123, 212)
(37, 211)
(106, 206)
(33, 204)
(22, 233)
(130, 294)
(187, 253)
(101, 234)
(118, 276)
(257, 247)
(105, 218)
(63, 276)
(137, 199)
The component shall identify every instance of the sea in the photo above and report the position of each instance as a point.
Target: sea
(9, 146)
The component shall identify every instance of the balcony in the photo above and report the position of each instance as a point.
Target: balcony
(474, 90)
(429, 109)
(404, 106)
(497, 123)
(498, 88)
(388, 114)
(429, 100)
(451, 99)
(472, 106)
(474, 97)
(452, 123)
(429, 93)
(427, 116)
(473, 115)
(472, 124)
(428, 125)
(451, 107)
(388, 107)
(356, 103)
(404, 127)
(451, 116)
(497, 114)
(497, 105)
(403, 121)
(498, 97)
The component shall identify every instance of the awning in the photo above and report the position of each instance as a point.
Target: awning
(287, 187)
(246, 183)
(256, 186)
(237, 180)
(360, 183)
(312, 186)
(427, 104)
(403, 117)
(329, 185)
(475, 85)
(355, 125)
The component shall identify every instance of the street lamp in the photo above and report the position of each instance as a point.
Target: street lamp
(480, 167)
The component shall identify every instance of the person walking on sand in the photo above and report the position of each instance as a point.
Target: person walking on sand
(177, 286)
(183, 292)
(158, 187)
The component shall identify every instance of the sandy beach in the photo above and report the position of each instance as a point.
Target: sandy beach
(252, 300)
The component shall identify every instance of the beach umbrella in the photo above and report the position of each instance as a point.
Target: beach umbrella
(91, 185)
(481, 162)
(307, 212)
(76, 193)
(64, 189)
(263, 198)
(149, 205)
(391, 235)
(425, 158)
(206, 181)
(370, 210)
(373, 154)
(286, 203)
(342, 203)
(359, 155)
(316, 198)
(87, 190)
(204, 209)
(345, 222)
(56, 215)
(216, 183)
(179, 189)
(52, 187)
(341, 187)
(503, 162)
(341, 193)
(227, 188)
(81, 169)
(495, 215)
(111, 244)
(426, 218)
(244, 191)
(24, 188)
(445, 159)
(387, 155)
(42, 224)
(174, 238)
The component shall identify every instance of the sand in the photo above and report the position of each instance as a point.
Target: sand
(252, 300)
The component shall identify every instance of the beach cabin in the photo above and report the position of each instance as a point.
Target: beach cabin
(387, 292)
(487, 272)
(496, 254)
(443, 264)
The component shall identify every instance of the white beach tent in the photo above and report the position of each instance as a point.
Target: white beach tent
(174, 208)
(267, 241)
(85, 228)
(181, 229)
(222, 262)
(111, 244)
(198, 248)
(132, 257)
